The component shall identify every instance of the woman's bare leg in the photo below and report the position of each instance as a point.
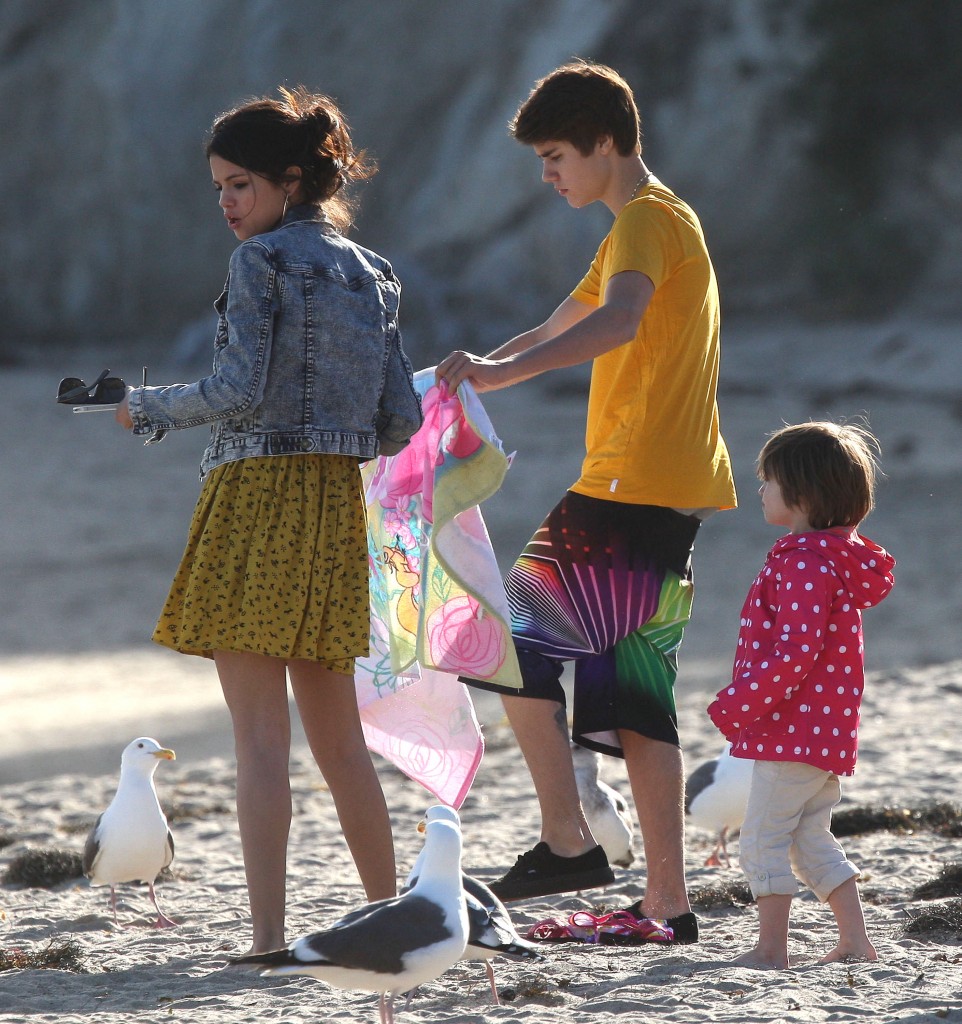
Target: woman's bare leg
(327, 704)
(255, 688)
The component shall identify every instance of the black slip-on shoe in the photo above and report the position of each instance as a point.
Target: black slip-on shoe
(539, 872)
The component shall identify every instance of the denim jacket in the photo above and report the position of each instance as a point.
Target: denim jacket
(307, 356)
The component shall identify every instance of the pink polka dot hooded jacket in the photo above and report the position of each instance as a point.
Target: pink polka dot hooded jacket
(798, 675)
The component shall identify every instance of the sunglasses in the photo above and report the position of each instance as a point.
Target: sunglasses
(104, 393)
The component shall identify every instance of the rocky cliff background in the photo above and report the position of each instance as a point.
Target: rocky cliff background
(820, 141)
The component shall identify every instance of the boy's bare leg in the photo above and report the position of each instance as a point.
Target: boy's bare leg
(541, 729)
(656, 772)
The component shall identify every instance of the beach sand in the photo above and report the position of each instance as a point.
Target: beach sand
(93, 525)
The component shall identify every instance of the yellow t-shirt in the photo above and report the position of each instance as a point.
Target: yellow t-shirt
(652, 435)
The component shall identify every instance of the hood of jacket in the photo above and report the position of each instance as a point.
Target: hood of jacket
(862, 567)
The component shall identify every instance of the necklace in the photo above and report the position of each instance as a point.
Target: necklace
(641, 181)
(634, 192)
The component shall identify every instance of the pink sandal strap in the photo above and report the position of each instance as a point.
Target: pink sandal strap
(583, 926)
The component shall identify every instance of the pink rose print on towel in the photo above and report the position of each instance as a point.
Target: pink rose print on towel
(464, 640)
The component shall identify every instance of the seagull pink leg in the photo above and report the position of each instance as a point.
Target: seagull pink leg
(387, 1008)
(113, 904)
(718, 858)
(163, 921)
(723, 848)
(494, 988)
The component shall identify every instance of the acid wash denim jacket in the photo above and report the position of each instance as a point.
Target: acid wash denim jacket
(307, 356)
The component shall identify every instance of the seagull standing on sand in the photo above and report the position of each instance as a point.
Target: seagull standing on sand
(491, 932)
(392, 945)
(606, 810)
(130, 841)
(716, 795)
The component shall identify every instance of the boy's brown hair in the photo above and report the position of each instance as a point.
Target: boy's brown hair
(825, 469)
(580, 103)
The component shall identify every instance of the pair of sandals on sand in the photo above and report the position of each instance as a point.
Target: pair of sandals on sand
(541, 872)
(628, 927)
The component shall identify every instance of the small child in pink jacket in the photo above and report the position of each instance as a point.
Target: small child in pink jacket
(793, 703)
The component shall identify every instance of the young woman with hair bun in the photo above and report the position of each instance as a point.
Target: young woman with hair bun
(309, 380)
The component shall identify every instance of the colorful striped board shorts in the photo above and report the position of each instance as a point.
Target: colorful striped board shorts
(608, 586)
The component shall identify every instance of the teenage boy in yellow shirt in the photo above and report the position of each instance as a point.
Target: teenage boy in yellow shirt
(606, 580)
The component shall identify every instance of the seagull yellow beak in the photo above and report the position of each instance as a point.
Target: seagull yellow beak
(422, 826)
(165, 754)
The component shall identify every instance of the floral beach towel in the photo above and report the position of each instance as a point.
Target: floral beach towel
(438, 606)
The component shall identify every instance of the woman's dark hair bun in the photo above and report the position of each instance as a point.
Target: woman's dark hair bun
(320, 119)
(300, 129)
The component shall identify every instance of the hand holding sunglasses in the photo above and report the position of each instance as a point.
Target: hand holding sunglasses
(103, 395)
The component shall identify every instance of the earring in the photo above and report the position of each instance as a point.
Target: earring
(286, 201)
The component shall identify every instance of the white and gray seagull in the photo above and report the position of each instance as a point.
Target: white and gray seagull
(716, 795)
(491, 932)
(130, 841)
(606, 810)
(392, 945)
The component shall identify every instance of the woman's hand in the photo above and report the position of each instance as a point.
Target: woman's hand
(122, 415)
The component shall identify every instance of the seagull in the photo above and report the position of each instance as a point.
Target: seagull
(716, 795)
(130, 841)
(491, 932)
(606, 810)
(393, 945)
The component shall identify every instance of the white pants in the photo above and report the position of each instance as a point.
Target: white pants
(787, 831)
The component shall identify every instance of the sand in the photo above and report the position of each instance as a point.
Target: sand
(92, 528)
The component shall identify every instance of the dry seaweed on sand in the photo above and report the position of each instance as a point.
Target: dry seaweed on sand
(722, 894)
(57, 955)
(536, 988)
(948, 883)
(943, 921)
(944, 818)
(44, 868)
(188, 810)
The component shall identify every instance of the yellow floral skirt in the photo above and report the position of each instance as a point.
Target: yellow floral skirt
(276, 563)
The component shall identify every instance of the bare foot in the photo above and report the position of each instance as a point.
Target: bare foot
(761, 961)
(850, 951)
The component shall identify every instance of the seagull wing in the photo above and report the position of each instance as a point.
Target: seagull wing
(616, 800)
(169, 853)
(374, 941)
(490, 924)
(361, 944)
(698, 780)
(92, 848)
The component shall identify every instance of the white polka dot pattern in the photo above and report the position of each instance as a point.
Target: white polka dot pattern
(798, 674)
